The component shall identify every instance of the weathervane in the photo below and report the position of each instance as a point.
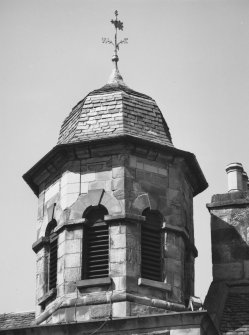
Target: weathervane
(118, 25)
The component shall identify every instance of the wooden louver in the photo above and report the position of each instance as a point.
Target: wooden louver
(52, 280)
(151, 259)
(96, 250)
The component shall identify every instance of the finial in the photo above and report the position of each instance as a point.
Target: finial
(118, 25)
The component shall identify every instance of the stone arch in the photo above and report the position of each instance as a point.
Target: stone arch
(111, 203)
(142, 202)
(52, 211)
(95, 198)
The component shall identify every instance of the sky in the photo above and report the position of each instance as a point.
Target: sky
(191, 56)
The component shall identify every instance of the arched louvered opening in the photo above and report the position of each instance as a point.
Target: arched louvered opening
(52, 255)
(151, 246)
(95, 244)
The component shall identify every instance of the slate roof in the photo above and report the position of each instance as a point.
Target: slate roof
(16, 320)
(235, 319)
(115, 110)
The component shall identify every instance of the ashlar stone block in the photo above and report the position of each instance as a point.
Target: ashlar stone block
(72, 274)
(121, 309)
(73, 246)
(104, 175)
(118, 241)
(52, 190)
(174, 178)
(82, 313)
(117, 269)
(118, 255)
(100, 311)
(117, 229)
(117, 184)
(70, 314)
(74, 234)
(72, 260)
(84, 187)
(96, 185)
(58, 316)
(88, 177)
(68, 200)
(119, 283)
(118, 172)
(70, 188)
(70, 178)
(70, 287)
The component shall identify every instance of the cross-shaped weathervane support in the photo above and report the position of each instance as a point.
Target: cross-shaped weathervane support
(118, 25)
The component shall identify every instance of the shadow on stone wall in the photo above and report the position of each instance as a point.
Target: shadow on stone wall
(227, 300)
(230, 249)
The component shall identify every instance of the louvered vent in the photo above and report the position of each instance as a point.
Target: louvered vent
(151, 248)
(53, 261)
(96, 245)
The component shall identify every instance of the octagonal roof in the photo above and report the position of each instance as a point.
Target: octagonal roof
(115, 110)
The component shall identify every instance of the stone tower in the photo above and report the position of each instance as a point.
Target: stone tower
(115, 231)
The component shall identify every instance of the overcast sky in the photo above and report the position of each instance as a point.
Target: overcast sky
(191, 56)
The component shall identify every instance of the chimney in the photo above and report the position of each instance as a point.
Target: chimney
(234, 175)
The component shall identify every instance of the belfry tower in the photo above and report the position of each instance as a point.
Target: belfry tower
(115, 231)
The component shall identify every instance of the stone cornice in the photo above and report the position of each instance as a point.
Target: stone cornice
(228, 203)
(60, 154)
(104, 298)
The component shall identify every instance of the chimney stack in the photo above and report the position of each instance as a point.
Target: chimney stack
(236, 181)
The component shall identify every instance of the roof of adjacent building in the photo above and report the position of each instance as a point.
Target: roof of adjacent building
(227, 302)
(16, 320)
(235, 318)
(115, 110)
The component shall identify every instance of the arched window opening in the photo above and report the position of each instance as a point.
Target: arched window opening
(95, 244)
(52, 255)
(151, 246)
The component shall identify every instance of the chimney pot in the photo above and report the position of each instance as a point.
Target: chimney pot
(234, 175)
